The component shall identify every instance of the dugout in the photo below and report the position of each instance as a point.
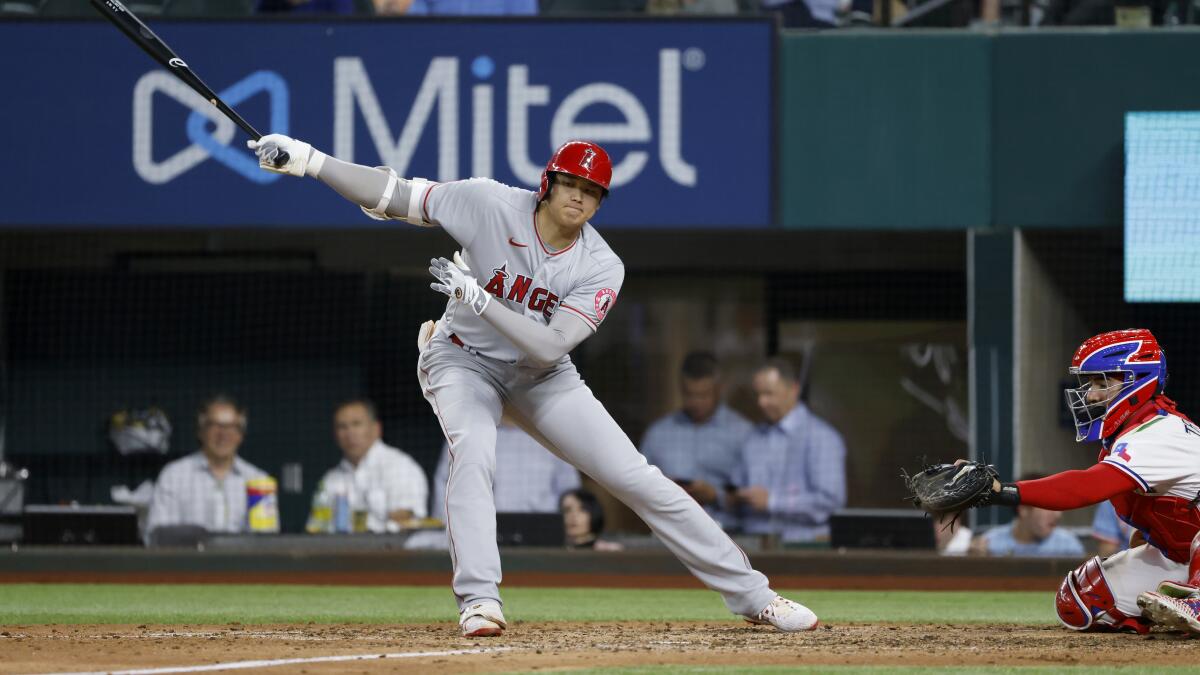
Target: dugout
(964, 193)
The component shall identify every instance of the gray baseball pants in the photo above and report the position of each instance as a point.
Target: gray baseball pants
(470, 392)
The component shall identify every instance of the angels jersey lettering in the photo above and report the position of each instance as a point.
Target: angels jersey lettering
(494, 223)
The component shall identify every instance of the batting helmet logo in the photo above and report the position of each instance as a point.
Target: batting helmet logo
(583, 159)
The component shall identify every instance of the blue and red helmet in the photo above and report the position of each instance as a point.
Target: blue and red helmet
(1134, 369)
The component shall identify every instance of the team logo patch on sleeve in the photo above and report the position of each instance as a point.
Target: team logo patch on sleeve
(605, 298)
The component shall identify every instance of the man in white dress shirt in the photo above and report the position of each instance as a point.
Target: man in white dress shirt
(374, 477)
(208, 487)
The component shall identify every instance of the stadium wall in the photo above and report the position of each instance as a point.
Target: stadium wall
(944, 129)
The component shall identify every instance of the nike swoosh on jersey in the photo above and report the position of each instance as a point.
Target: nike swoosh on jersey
(510, 240)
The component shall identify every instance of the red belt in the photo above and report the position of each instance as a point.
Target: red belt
(455, 339)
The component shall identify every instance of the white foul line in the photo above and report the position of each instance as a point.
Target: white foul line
(240, 665)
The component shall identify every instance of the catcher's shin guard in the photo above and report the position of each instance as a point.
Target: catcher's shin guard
(1085, 602)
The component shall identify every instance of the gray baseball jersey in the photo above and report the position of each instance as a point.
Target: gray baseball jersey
(494, 224)
(477, 376)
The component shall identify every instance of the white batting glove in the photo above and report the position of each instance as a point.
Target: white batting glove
(302, 159)
(455, 280)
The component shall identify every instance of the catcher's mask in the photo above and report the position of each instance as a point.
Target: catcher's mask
(1134, 370)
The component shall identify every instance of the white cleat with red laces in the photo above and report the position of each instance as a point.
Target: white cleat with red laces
(786, 615)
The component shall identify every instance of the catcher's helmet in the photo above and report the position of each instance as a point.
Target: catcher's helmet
(1141, 368)
(578, 158)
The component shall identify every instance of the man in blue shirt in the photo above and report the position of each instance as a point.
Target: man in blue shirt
(474, 7)
(792, 472)
(1034, 532)
(698, 445)
(1110, 532)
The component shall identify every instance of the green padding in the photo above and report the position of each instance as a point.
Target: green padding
(957, 130)
(1061, 99)
(884, 131)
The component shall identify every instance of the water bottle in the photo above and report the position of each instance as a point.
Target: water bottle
(341, 513)
(320, 520)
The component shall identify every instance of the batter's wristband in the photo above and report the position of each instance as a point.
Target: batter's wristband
(1009, 495)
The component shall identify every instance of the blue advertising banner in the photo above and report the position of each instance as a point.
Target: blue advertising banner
(96, 134)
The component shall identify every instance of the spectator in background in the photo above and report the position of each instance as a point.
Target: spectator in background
(1110, 532)
(473, 7)
(1079, 13)
(391, 7)
(692, 7)
(1034, 532)
(583, 521)
(207, 488)
(951, 539)
(806, 13)
(791, 475)
(566, 7)
(528, 479)
(699, 445)
(373, 478)
(305, 7)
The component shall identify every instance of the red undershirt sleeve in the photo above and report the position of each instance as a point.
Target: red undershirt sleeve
(1074, 489)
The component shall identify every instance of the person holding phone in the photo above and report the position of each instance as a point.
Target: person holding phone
(697, 446)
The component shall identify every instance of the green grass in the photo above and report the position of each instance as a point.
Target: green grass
(255, 604)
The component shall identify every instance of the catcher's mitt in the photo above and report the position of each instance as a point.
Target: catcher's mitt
(950, 489)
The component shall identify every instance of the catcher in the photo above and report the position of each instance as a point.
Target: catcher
(1147, 468)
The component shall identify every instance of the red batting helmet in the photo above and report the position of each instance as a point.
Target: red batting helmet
(578, 158)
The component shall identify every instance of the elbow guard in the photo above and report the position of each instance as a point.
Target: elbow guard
(409, 191)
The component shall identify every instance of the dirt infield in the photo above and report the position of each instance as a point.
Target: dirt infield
(560, 646)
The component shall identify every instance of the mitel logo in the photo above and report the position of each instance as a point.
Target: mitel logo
(218, 144)
(439, 91)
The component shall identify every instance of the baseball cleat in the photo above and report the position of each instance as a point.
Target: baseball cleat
(483, 619)
(1177, 613)
(1174, 589)
(786, 615)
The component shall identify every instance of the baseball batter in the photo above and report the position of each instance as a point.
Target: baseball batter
(533, 281)
(1149, 468)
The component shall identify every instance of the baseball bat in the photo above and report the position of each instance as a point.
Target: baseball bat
(158, 50)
